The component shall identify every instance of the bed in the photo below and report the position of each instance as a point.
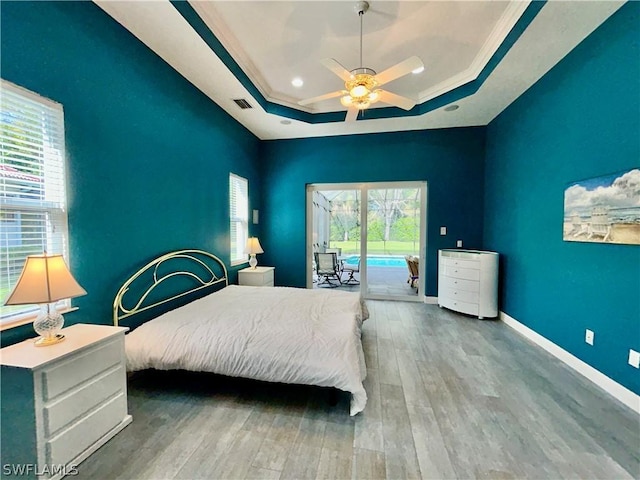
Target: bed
(274, 334)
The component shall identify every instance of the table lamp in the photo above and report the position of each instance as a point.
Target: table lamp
(253, 247)
(45, 279)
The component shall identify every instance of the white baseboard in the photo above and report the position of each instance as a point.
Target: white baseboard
(430, 300)
(626, 396)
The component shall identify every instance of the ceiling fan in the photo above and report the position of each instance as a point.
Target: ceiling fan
(361, 84)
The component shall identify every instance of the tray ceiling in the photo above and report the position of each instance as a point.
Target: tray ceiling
(478, 55)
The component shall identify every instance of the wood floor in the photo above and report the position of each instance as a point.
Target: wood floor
(449, 397)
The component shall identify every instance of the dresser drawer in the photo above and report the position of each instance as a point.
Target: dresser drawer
(459, 284)
(462, 273)
(62, 411)
(65, 446)
(460, 295)
(457, 262)
(67, 374)
(464, 307)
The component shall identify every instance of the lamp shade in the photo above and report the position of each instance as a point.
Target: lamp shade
(44, 279)
(253, 246)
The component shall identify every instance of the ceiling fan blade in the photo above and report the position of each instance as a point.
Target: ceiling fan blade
(336, 68)
(396, 100)
(320, 98)
(352, 114)
(399, 70)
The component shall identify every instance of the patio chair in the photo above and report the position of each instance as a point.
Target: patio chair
(412, 265)
(351, 270)
(327, 268)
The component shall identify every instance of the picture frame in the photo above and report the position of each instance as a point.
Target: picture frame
(604, 209)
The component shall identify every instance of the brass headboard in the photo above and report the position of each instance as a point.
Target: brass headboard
(120, 311)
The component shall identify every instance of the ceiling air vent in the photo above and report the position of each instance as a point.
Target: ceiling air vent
(242, 103)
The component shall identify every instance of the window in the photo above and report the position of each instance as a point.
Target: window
(33, 216)
(239, 217)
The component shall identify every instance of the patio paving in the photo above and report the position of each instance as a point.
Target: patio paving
(387, 280)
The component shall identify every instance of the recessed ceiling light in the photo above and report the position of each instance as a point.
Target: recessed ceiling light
(297, 82)
(285, 122)
(451, 108)
(418, 70)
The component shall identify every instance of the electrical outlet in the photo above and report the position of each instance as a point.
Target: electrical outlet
(634, 358)
(459, 243)
(588, 336)
(443, 230)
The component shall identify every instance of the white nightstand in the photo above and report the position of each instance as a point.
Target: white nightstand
(62, 402)
(257, 277)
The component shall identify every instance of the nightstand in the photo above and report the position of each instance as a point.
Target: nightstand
(257, 277)
(62, 402)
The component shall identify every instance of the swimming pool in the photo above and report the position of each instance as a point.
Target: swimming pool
(378, 261)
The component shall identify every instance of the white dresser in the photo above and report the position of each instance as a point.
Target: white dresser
(257, 277)
(62, 402)
(468, 281)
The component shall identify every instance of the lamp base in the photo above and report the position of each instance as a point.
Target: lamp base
(48, 324)
(253, 261)
(46, 341)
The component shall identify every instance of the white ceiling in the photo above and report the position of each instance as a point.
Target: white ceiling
(273, 42)
(300, 34)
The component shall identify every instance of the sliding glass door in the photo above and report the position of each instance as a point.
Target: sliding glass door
(394, 226)
(376, 231)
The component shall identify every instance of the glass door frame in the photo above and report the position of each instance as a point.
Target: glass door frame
(364, 188)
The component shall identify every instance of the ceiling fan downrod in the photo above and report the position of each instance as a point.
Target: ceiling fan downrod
(361, 87)
(361, 8)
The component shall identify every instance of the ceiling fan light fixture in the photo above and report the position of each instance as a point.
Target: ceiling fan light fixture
(361, 84)
(359, 91)
(346, 101)
(361, 103)
(361, 87)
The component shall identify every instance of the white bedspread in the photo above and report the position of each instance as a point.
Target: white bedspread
(281, 334)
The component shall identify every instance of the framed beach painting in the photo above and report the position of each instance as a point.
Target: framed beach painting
(604, 209)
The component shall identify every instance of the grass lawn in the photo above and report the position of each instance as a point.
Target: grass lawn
(8, 309)
(4, 293)
(378, 247)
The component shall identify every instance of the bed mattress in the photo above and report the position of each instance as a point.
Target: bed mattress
(276, 334)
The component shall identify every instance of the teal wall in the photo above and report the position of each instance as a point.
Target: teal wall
(451, 161)
(148, 154)
(581, 120)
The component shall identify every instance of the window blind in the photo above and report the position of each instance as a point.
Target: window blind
(33, 216)
(239, 217)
